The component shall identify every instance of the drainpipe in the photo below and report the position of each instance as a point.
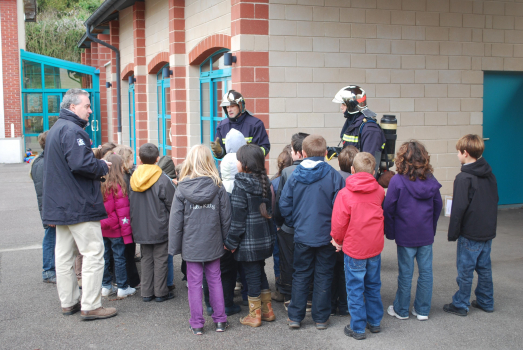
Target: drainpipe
(118, 89)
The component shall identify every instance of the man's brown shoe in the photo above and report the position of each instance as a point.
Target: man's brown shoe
(99, 313)
(67, 311)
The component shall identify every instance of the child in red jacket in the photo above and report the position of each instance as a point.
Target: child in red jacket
(357, 229)
(116, 229)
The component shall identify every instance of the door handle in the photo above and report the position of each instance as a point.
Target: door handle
(97, 125)
(92, 125)
(486, 138)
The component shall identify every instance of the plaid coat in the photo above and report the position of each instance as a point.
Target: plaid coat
(250, 234)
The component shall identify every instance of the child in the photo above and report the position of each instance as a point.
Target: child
(133, 277)
(200, 219)
(234, 140)
(151, 197)
(412, 208)
(339, 290)
(116, 229)
(357, 228)
(473, 221)
(286, 232)
(306, 204)
(251, 236)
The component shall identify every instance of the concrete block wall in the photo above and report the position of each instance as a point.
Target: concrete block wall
(422, 60)
(204, 18)
(156, 28)
(126, 37)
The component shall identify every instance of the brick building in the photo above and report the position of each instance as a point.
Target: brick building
(429, 62)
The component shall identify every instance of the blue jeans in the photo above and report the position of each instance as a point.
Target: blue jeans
(48, 245)
(276, 258)
(473, 255)
(170, 271)
(363, 277)
(423, 297)
(309, 263)
(117, 246)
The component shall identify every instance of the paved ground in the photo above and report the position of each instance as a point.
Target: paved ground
(30, 316)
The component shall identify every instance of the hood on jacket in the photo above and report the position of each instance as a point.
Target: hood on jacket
(362, 182)
(200, 190)
(421, 189)
(167, 165)
(145, 176)
(234, 140)
(479, 168)
(311, 170)
(249, 183)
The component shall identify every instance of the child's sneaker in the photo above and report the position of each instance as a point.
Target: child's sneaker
(196, 331)
(238, 287)
(393, 313)
(123, 293)
(108, 291)
(420, 317)
(286, 304)
(221, 326)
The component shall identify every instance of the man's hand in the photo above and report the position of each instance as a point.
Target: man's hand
(108, 163)
(217, 148)
(51, 225)
(336, 245)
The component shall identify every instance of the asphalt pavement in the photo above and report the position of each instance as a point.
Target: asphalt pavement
(30, 315)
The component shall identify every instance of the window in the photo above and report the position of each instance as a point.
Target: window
(215, 81)
(132, 120)
(163, 99)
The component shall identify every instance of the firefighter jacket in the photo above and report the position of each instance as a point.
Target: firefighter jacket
(251, 127)
(371, 138)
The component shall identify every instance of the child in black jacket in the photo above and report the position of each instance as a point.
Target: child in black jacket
(473, 221)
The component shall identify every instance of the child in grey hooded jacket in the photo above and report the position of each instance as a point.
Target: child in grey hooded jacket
(233, 141)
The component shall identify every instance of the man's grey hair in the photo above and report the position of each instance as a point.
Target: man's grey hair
(72, 97)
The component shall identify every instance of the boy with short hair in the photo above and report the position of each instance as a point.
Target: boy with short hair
(345, 160)
(306, 205)
(473, 221)
(285, 234)
(357, 229)
(151, 198)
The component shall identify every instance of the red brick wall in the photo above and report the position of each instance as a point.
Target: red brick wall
(104, 56)
(140, 88)
(114, 32)
(11, 67)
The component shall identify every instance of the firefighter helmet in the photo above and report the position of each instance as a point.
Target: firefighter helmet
(233, 97)
(353, 97)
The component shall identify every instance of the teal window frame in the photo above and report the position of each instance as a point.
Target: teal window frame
(132, 120)
(94, 93)
(161, 100)
(212, 77)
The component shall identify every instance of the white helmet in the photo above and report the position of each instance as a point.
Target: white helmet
(353, 97)
(233, 97)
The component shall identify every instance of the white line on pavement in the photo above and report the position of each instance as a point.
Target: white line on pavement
(29, 247)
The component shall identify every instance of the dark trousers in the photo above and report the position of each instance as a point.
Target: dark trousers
(255, 276)
(228, 269)
(339, 290)
(286, 246)
(309, 263)
(154, 269)
(133, 277)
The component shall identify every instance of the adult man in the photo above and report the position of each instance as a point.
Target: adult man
(72, 201)
(239, 118)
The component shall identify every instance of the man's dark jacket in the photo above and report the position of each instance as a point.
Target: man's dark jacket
(71, 192)
(37, 174)
(251, 127)
(474, 213)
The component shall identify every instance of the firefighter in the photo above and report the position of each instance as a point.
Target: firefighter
(239, 118)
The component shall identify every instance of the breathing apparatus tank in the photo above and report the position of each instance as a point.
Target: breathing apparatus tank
(389, 125)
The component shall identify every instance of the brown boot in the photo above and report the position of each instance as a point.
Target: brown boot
(267, 313)
(98, 313)
(254, 318)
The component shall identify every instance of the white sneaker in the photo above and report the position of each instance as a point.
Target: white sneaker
(122, 293)
(420, 318)
(106, 291)
(391, 312)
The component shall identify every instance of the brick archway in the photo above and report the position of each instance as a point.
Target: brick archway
(158, 62)
(127, 71)
(208, 46)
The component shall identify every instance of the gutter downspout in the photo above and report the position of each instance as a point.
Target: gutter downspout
(118, 88)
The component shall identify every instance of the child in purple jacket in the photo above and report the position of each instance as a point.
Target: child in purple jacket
(411, 209)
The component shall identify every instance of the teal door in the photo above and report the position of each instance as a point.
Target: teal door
(132, 121)
(503, 131)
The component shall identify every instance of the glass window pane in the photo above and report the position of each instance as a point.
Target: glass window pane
(206, 66)
(219, 96)
(206, 133)
(33, 103)
(217, 62)
(167, 100)
(32, 143)
(206, 110)
(53, 104)
(33, 124)
(60, 78)
(52, 120)
(168, 132)
(159, 99)
(160, 131)
(32, 75)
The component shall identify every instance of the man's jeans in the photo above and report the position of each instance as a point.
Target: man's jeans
(48, 245)
(423, 297)
(117, 246)
(363, 277)
(309, 263)
(473, 255)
